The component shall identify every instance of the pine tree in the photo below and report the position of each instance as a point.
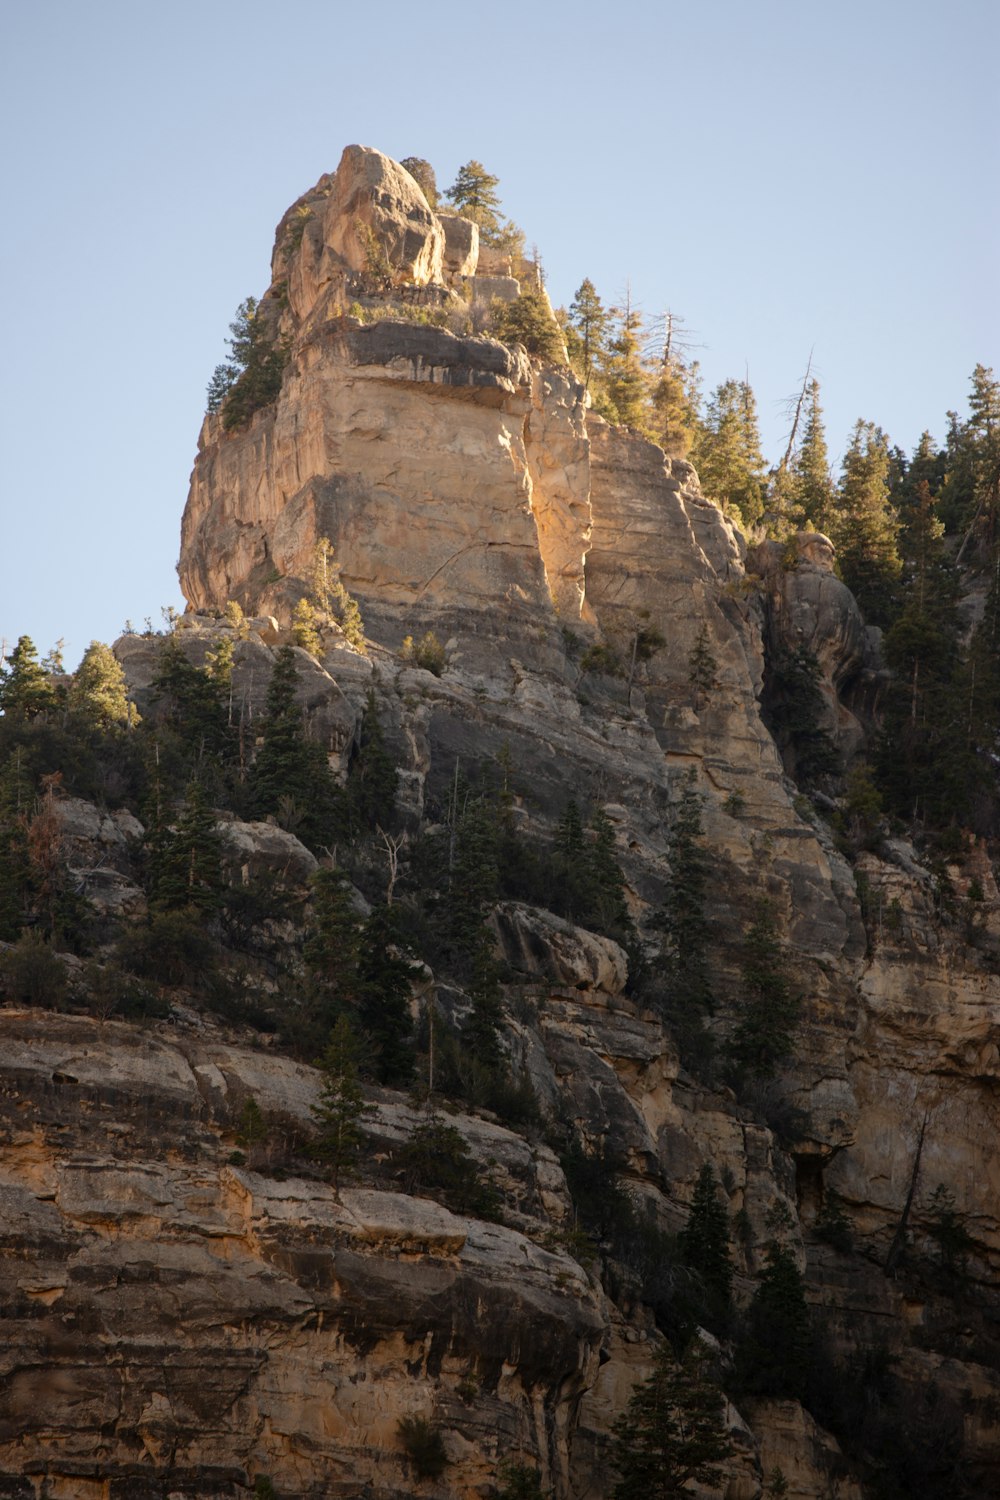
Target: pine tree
(626, 380)
(98, 692)
(704, 1245)
(688, 993)
(26, 690)
(186, 863)
(528, 320)
(672, 1432)
(770, 1011)
(251, 378)
(423, 175)
(864, 526)
(474, 195)
(589, 321)
(776, 1354)
(373, 777)
(702, 667)
(341, 1106)
(727, 452)
(332, 946)
(813, 487)
(291, 774)
(385, 982)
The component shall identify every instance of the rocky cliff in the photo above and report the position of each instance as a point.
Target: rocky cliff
(176, 1324)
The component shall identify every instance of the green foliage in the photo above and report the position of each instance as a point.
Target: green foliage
(626, 379)
(704, 1246)
(436, 1160)
(812, 493)
(107, 990)
(31, 973)
(528, 320)
(519, 1482)
(864, 526)
(341, 1106)
(98, 691)
(291, 776)
(473, 195)
(373, 777)
(672, 1433)
(423, 175)
(304, 628)
(832, 1224)
(384, 985)
(727, 452)
(173, 948)
(427, 653)
(776, 1351)
(253, 1130)
(587, 330)
(702, 667)
(186, 860)
(681, 986)
(795, 710)
(251, 377)
(770, 1009)
(424, 1446)
(26, 689)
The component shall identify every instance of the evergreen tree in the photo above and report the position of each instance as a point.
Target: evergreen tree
(610, 913)
(727, 452)
(776, 1353)
(474, 195)
(812, 486)
(626, 380)
(926, 766)
(672, 1432)
(332, 946)
(423, 175)
(702, 667)
(770, 1010)
(528, 320)
(192, 704)
(291, 776)
(251, 377)
(385, 980)
(686, 990)
(796, 709)
(864, 525)
(673, 418)
(373, 777)
(704, 1245)
(341, 1106)
(186, 862)
(970, 500)
(589, 321)
(26, 690)
(98, 692)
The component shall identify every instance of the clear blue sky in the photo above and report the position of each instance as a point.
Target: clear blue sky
(784, 175)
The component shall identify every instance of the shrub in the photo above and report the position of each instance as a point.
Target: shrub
(173, 948)
(31, 974)
(423, 1445)
(428, 653)
(437, 1159)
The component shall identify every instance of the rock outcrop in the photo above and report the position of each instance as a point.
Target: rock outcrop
(180, 1323)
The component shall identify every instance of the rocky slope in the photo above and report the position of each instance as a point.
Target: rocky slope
(179, 1325)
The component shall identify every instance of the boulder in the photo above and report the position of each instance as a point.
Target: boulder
(375, 202)
(252, 850)
(461, 245)
(538, 943)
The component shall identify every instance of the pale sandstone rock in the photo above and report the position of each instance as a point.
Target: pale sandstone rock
(538, 943)
(372, 193)
(461, 246)
(255, 850)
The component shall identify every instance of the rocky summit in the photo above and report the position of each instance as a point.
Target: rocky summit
(537, 606)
